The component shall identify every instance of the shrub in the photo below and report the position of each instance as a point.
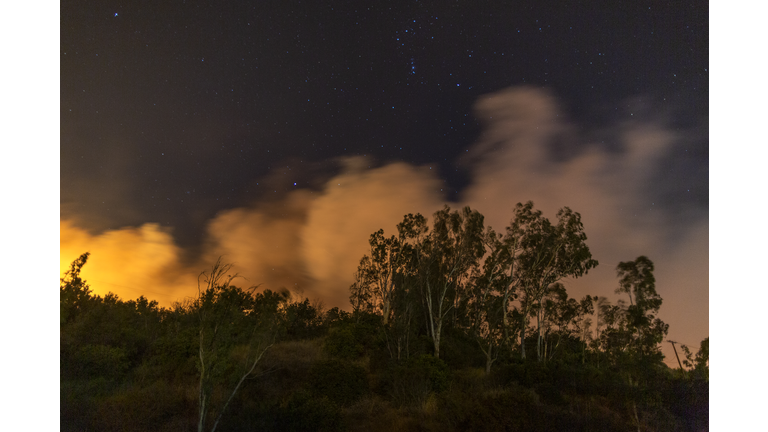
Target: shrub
(101, 361)
(340, 381)
(306, 413)
(412, 382)
(342, 343)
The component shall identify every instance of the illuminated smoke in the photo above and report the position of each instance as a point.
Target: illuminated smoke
(130, 262)
(311, 242)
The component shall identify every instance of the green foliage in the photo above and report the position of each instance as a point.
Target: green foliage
(699, 367)
(342, 382)
(455, 291)
(460, 350)
(304, 412)
(236, 329)
(159, 406)
(633, 334)
(75, 293)
(303, 320)
(335, 317)
(411, 382)
(342, 343)
(101, 361)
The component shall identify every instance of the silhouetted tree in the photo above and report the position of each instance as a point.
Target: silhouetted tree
(633, 334)
(698, 366)
(444, 261)
(491, 292)
(75, 293)
(549, 254)
(236, 328)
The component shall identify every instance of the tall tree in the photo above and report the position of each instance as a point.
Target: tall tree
(491, 292)
(385, 281)
(633, 333)
(699, 366)
(549, 253)
(388, 260)
(444, 261)
(646, 331)
(236, 328)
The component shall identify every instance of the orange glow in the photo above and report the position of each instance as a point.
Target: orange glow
(311, 241)
(129, 262)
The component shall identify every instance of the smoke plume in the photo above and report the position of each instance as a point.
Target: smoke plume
(311, 241)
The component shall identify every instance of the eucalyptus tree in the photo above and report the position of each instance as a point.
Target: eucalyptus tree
(384, 282)
(388, 261)
(646, 331)
(444, 260)
(548, 254)
(554, 314)
(634, 333)
(563, 317)
(698, 366)
(486, 306)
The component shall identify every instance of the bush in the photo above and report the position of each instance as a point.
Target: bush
(101, 361)
(158, 406)
(342, 343)
(340, 381)
(411, 383)
(306, 413)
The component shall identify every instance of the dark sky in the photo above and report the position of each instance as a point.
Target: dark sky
(172, 111)
(194, 128)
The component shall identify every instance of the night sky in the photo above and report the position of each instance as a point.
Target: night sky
(282, 134)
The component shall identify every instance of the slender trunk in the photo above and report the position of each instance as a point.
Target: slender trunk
(634, 404)
(239, 383)
(538, 334)
(385, 312)
(504, 318)
(434, 332)
(489, 359)
(637, 420)
(522, 340)
(201, 396)
(408, 334)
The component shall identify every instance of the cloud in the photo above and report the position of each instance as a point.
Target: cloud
(311, 241)
(353, 206)
(263, 243)
(129, 261)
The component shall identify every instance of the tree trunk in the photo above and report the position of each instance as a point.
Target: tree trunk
(237, 387)
(637, 420)
(385, 312)
(436, 338)
(522, 341)
(538, 331)
(489, 359)
(201, 397)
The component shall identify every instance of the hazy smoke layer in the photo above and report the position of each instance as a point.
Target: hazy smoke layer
(312, 242)
(613, 190)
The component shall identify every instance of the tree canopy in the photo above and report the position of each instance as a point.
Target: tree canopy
(442, 316)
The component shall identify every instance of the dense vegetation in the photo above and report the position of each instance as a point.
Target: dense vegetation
(452, 328)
